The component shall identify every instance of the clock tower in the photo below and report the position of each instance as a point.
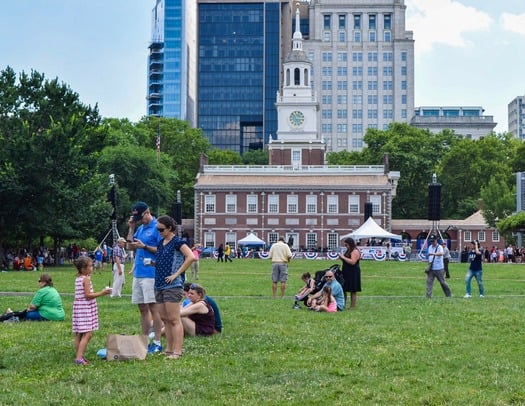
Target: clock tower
(298, 141)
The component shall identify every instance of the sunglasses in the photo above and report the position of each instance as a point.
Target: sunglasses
(160, 229)
(194, 286)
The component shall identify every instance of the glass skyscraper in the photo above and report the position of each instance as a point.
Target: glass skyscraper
(170, 80)
(238, 72)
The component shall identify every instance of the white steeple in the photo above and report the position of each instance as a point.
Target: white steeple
(298, 141)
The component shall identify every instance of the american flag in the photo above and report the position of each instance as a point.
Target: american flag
(158, 143)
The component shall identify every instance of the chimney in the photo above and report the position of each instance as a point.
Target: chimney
(386, 162)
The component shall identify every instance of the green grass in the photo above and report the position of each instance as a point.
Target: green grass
(396, 348)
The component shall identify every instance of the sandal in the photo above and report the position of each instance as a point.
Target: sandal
(80, 362)
(173, 355)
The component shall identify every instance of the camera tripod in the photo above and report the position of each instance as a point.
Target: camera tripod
(114, 231)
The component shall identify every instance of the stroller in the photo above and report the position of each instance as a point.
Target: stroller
(320, 280)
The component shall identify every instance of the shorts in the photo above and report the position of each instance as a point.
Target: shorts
(173, 295)
(279, 272)
(143, 291)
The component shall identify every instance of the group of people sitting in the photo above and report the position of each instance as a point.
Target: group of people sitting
(200, 313)
(330, 298)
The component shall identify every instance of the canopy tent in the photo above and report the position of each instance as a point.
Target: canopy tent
(370, 229)
(251, 239)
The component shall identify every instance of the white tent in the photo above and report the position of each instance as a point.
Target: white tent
(370, 229)
(251, 239)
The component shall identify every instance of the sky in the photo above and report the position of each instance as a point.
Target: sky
(467, 52)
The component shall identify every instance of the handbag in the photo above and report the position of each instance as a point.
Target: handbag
(120, 347)
(429, 267)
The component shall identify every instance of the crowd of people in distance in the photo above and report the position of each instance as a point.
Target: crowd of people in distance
(171, 308)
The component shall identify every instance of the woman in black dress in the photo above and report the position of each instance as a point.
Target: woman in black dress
(351, 270)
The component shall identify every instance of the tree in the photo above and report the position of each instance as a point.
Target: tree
(224, 157)
(510, 225)
(498, 200)
(468, 166)
(414, 152)
(48, 172)
(184, 145)
(139, 176)
(256, 157)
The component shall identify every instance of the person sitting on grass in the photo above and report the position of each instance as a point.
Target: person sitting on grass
(302, 295)
(326, 303)
(198, 318)
(212, 303)
(46, 304)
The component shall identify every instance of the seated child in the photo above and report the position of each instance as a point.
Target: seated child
(302, 295)
(326, 303)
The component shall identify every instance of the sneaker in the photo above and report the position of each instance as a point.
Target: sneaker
(296, 306)
(154, 348)
(467, 296)
(481, 295)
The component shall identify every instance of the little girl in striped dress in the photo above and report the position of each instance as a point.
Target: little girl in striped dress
(85, 311)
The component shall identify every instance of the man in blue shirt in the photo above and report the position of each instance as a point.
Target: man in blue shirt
(337, 291)
(146, 238)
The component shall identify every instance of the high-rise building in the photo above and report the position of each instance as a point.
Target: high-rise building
(363, 64)
(516, 112)
(171, 88)
(219, 65)
(239, 64)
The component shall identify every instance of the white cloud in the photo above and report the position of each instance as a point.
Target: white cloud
(513, 22)
(443, 22)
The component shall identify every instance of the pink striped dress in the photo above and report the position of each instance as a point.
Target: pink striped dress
(85, 311)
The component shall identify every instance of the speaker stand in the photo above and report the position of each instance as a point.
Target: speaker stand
(434, 230)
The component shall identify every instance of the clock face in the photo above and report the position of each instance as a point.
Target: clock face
(296, 118)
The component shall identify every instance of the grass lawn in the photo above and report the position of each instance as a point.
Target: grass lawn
(396, 348)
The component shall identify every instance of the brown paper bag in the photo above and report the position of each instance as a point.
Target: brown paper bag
(121, 347)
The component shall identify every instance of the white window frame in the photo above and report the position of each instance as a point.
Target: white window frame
(376, 203)
(273, 203)
(467, 236)
(210, 203)
(332, 204)
(252, 203)
(292, 204)
(481, 236)
(311, 241)
(311, 204)
(273, 238)
(230, 203)
(209, 239)
(495, 236)
(332, 240)
(353, 204)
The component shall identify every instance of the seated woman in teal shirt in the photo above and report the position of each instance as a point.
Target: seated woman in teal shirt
(47, 303)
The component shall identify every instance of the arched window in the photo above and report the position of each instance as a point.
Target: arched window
(287, 77)
(297, 77)
(305, 77)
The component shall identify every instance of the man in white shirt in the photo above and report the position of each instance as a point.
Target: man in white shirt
(437, 270)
